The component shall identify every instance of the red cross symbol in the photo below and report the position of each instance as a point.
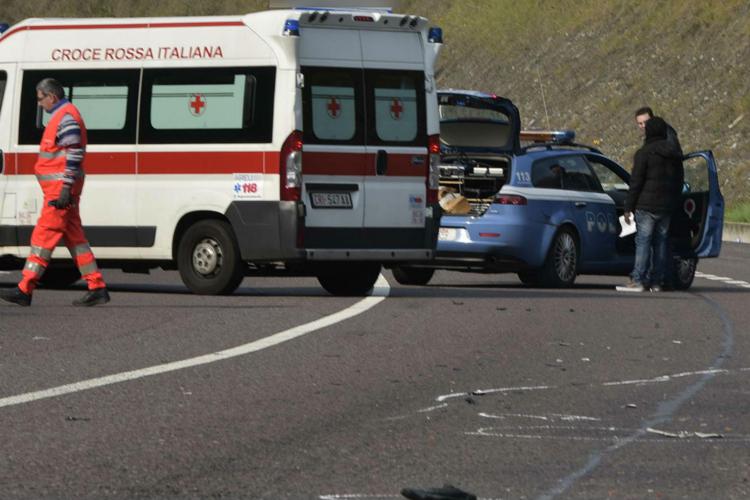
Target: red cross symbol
(333, 108)
(396, 108)
(197, 104)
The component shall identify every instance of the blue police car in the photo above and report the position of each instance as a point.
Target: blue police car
(544, 207)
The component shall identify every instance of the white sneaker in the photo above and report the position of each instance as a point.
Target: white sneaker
(630, 286)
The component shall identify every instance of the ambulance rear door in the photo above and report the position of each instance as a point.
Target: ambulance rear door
(397, 143)
(334, 152)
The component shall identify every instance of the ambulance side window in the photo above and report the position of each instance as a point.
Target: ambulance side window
(396, 107)
(107, 100)
(332, 106)
(220, 105)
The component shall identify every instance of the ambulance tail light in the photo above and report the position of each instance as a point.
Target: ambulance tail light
(433, 170)
(510, 199)
(290, 168)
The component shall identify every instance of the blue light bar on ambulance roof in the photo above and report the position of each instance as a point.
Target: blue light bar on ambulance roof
(435, 35)
(4, 27)
(291, 28)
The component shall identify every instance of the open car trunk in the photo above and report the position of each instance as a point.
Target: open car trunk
(469, 184)
(478, 134)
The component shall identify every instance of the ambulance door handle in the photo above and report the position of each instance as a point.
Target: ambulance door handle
(381, 162)
(580, 204)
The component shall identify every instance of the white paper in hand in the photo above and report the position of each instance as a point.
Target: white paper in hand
(627, 229)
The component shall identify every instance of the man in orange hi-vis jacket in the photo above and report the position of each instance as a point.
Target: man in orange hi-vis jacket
(59, 170)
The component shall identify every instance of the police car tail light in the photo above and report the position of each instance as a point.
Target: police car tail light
(433, 171)
(510, 199)
(290, 169)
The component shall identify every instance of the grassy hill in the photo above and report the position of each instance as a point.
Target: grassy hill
(582, 64)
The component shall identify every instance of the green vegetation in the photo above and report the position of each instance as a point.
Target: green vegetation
(594, 62)
(739, 213)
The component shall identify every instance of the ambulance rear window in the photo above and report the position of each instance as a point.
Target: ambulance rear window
(332, 106)
(397, 99)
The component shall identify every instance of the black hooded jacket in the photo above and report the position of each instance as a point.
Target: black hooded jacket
(657, 177)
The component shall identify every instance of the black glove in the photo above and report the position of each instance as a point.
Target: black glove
(63, 201)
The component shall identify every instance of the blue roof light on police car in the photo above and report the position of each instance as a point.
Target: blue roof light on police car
(291, 27)
(435, 35)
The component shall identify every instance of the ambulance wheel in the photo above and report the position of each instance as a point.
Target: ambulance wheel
(561, 266)
(349, 279)
(684, 272)
(59, 276)
(208, 258)
(413, 275)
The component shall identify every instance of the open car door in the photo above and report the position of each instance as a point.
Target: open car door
(700, 219)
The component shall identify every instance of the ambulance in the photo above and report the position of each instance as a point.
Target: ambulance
(300, 142)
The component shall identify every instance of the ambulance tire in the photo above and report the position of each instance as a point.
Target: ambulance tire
(419, 276)
(350, 279)
(59, 276)
(208, 258)
(561, 266)
(683, 272)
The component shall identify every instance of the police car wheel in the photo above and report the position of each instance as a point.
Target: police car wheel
(58, 276)
(684, 272)
(208, 258)
(413, 275)
(349, 278)
(561, 267)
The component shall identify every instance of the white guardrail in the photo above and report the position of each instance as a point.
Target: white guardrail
(738, 232)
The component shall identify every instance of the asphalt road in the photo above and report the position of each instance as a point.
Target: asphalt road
(474, 380)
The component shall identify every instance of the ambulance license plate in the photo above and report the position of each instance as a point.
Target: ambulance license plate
(331, 200)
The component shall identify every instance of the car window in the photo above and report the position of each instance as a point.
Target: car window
(577, 176)
(547, 174)
(610, 179)
(696, 174)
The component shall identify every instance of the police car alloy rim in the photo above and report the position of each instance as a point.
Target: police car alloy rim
(565, 257)
(207, 257)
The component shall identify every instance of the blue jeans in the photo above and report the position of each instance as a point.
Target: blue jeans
(651, 233)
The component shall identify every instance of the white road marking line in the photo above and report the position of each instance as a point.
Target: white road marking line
(728, 281)
(379, 293)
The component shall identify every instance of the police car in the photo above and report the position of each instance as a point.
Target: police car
(541, 206)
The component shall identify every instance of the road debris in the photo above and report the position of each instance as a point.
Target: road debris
(631, 405)
(447, 492)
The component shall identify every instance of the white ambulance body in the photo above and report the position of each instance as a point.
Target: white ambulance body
(281, 141)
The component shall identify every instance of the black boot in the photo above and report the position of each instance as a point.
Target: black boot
(16, 296)
(93, 297)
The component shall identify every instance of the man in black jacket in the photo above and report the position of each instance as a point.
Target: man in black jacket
(655, 191)
(644, 114)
